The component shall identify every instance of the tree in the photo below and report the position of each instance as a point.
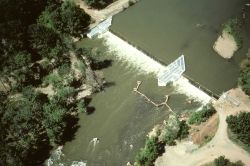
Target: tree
(175, 129)
(54, 121)
(244, 79)
(67, 19)
(240, 126)
(184, 130)
(74, 20)
(22, 59)
(222, 161)
(44, 40)
(81, 106)
(149, 153)
(21, 127)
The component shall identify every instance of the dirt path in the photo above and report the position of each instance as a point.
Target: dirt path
(219, 145)
(99, 15)
(207, 129)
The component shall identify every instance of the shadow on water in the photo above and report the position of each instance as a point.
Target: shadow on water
(108, 84)
(89, 109)
(87, 100)
(70, 129)
(101, 64)
(40, 154)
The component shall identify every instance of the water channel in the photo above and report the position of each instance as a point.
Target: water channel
(165, 29)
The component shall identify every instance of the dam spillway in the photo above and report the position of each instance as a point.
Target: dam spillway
(143, 63)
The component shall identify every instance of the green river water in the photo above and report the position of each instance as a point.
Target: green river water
(168, 28)
(165, 29)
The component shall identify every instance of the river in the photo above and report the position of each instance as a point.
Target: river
(165, 29)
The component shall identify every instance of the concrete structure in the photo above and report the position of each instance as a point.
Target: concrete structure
(172, 72)
(100, 28)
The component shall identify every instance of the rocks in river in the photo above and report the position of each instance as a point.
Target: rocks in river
(56, 159)
(55, 156)
(78, 163)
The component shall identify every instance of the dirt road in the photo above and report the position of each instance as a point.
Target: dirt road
(219, 145)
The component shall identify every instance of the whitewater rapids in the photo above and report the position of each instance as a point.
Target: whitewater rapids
(144, 64)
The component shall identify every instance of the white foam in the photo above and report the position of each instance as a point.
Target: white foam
(145, 64)
(183, 86)
(56, 159)
(125, 52)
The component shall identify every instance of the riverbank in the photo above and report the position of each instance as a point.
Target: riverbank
(219, 145)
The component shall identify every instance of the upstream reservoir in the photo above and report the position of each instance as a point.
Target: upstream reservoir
(164, 29)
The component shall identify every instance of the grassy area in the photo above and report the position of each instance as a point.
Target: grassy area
(202, 115)
(233, 138)
(207, 139)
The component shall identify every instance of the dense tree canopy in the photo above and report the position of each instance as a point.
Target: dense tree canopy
(22, 127)
(67, 19)
(35, 40)
(244, 79)
(240, 126)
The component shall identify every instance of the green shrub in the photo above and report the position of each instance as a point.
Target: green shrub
(81, 107)
(175, 129)
(64, 69)
(184, 130)
(240, 126)
(53, 79)
(80, 66)
(201, 115)
(222, 161)
(244, 79)
(149, 153)
(233, 28)
(22, 59)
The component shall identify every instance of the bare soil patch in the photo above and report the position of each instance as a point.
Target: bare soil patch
(205, 131)
(225, 45)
